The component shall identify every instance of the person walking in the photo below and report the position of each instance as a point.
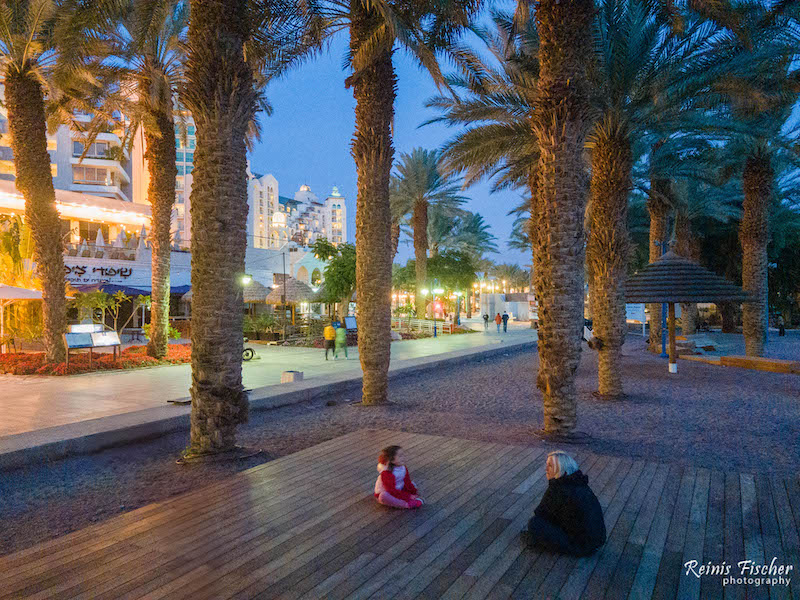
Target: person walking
(486, 322)
(498, 320)
(781, 326)
(341, 342)
(329, 333)
(505, 318)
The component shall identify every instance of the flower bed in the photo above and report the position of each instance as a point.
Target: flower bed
(135, 357)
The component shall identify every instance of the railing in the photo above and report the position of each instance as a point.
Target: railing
(94, 251)
(423, 325)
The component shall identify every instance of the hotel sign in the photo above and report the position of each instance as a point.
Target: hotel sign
(82, 274)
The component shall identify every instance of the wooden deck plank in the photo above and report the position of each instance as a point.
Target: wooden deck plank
(734, 542)
(625, 571)
(645, 579)
(790, 538)
(306, 526)
(770, 534)
(751, 531)
(689, 585)
(714, 544)
(669, 569)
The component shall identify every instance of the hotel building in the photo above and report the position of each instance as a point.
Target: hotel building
(102, 201)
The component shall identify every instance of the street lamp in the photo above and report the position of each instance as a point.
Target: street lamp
(425, 291)
(245, 279)
(438, 291)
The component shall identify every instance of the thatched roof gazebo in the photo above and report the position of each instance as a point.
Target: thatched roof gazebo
(295, 291)
(672, 279)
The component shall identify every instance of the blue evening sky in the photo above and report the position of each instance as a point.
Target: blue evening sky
(307, 139)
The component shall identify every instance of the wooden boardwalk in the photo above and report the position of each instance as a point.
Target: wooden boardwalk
(307, 527)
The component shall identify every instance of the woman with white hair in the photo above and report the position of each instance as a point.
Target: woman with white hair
(569, 519)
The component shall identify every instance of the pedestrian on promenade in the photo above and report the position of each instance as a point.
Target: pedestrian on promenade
(329, 333)
(498, 320)
(394, 486)
(486, 322)
(505, 321)
(569, 519)
(341, 342)
(781, 326)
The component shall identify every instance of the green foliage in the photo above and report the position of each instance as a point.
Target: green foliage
(172, 333)
(453, 270)
(340, 270)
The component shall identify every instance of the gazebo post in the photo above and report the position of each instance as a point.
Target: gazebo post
(673, 356)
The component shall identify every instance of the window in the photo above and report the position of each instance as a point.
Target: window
(88, 231)
(96, 149)
(179, 156)
(190, 130)
(92, 175)
(179, 182)
(189, 157)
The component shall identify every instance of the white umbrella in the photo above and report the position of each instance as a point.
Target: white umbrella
(141, 245)
(99, 242)
(120, 241)
(9, 294)
(82, 248)
(142, 233)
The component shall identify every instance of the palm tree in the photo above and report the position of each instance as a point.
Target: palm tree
(234, 49)
(149, 36)
(50, 51)
(417, 186)
(376, 28)
(513, 276)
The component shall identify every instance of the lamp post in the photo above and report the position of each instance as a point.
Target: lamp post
(664, 308)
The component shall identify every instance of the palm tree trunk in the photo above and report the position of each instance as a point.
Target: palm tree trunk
(219, 92)
(27, 124)
(395, 238)
(374, 92)
(754, 236)
(560, 122)
(607, 251)
(658, 208)
(419, 221)
(160, 141)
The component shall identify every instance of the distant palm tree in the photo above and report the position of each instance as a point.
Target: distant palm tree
(149, 36)
(514, 276)
(377, 27)
(418, 185)
(461, 231)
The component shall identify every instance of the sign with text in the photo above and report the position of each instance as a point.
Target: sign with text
(634, 312)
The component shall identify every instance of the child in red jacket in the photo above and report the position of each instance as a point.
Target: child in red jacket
(394, 486)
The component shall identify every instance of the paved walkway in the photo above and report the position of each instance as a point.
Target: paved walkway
(30, 403)
(306, 526)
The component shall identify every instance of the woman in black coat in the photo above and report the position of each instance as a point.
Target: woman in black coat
(569, 519)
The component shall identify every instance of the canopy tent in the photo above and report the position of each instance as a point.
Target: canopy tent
(672, 279)
(112, 288)
(9, 294)
(253, 292)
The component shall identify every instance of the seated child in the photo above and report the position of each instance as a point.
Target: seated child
(394, 486)
(569, 519)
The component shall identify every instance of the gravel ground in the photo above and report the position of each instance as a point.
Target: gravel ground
(730, 419)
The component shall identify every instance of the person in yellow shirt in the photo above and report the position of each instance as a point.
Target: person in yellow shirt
(329, 333)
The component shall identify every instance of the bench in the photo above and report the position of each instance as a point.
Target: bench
(759, 363)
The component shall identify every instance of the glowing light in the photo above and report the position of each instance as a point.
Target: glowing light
(425, 291)
(438, 291)
(246, 279)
